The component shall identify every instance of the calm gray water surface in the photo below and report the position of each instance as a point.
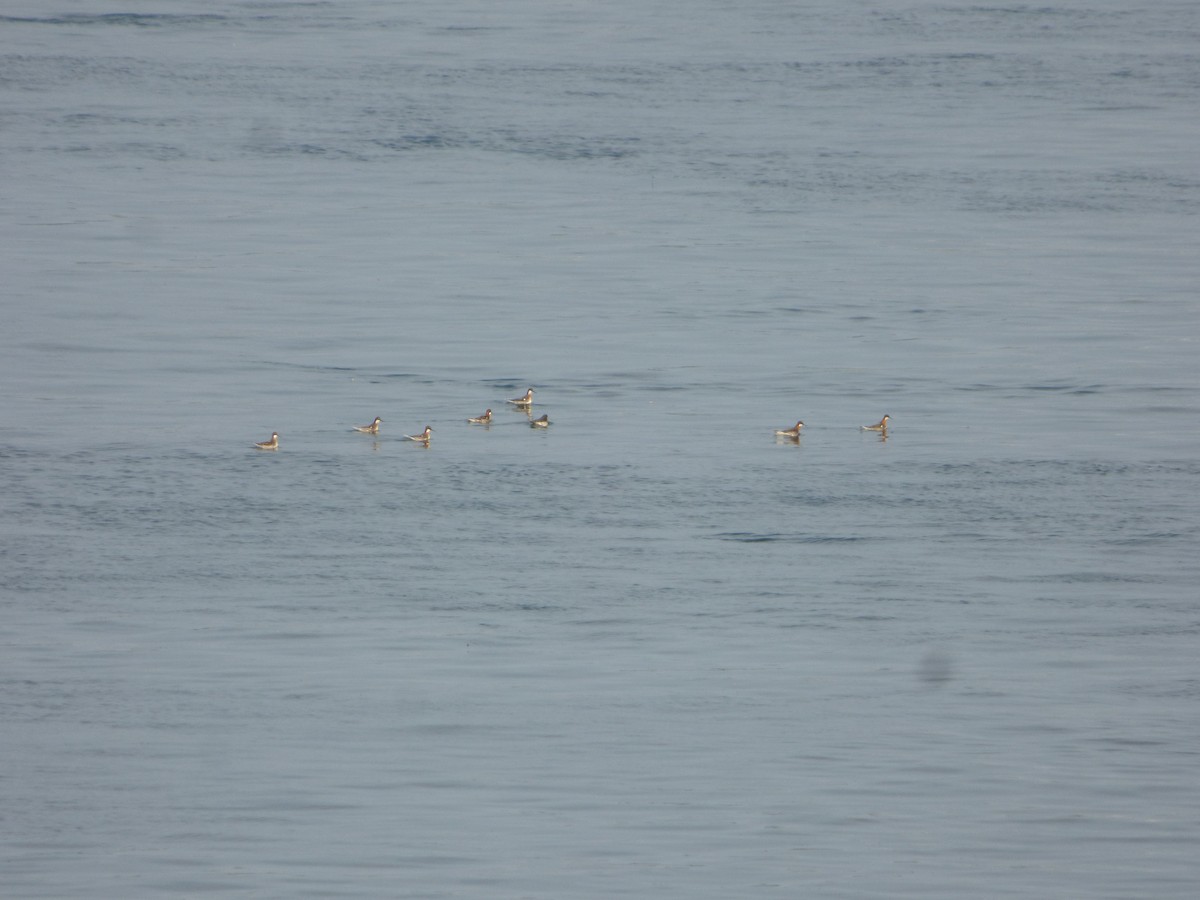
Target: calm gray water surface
(652, 651)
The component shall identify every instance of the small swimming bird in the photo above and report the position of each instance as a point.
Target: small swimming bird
(881, 425)
(543, 422)
(423, 437)
(485, 419)
(791, 432)
(272, 444)
(527, 400)
(373, 428)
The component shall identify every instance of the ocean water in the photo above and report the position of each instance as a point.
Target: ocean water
(652, 650)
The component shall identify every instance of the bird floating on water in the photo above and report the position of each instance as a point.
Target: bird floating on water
(543, 422)
(793, 432)
(881, 425)
(485, 419)
(423, 437)
(527, 400)
(373, 428)
(272, 444)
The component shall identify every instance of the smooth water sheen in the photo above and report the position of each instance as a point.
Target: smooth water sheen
(652, 650)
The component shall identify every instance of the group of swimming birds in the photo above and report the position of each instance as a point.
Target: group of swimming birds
(794, 432)
(525, 402)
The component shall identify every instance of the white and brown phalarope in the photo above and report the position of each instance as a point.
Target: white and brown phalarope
(881, 425)
(793, 432)
(423, 437)
(272, 444)
(373, 428)
(543, 422)
(485, 419)
(525, 401)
